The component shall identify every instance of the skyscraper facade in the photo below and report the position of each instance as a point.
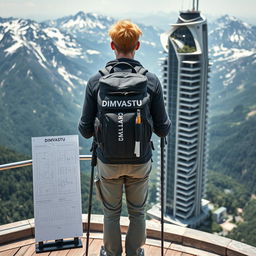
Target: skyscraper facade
(185, 86)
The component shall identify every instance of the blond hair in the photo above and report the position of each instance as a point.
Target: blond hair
(124, 35)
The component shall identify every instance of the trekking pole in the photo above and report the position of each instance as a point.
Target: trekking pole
(93, 164)
(162, 195)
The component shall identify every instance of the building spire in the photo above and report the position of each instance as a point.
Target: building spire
(193, 7)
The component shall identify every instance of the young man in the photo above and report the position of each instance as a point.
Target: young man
(131, 174)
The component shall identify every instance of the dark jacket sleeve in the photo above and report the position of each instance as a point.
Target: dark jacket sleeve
(161, 121)
(86, 124)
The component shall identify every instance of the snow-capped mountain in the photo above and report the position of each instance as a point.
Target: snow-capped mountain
(232, 49)
(232, 33)
(91, 31)
(82, 22)
(44, 68)
(42, 80)
(51, 51)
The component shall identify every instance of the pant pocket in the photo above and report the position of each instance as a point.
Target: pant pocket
(98, 190)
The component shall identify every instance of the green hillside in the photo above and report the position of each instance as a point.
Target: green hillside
(246, 231)
(223, 190)
(16, 189)
(232, 153)
(232, 145)
(16, 193)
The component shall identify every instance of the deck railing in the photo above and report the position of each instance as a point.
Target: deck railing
(19, 164)
(179, 238)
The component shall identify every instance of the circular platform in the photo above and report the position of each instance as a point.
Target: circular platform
(18, 239)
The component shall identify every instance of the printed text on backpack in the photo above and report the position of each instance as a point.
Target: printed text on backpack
(123, 126)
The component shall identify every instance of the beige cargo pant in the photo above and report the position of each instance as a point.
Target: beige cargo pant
(111, 181)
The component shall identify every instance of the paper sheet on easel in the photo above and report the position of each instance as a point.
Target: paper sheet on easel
(57, 187)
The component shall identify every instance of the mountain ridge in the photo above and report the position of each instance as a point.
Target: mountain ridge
(44, 71)
(233, 62)
(47, 59)
(44, 74)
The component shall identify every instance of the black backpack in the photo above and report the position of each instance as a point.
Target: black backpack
(123, 126)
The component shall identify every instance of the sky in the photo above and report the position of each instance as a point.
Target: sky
(47, 9)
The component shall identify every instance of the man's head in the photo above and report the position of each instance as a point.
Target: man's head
(125, 38)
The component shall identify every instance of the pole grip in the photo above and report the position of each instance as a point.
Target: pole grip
(94, 154)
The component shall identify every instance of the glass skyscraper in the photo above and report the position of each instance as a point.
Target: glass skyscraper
(185, 68)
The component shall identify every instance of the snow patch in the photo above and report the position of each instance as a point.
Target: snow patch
(83, 24)
(94, 14)
(67, 77)
(35, 34)
(29, 75)
(43, 37)
(91, 52)
(230, 54)
(220, 30)
(15, 30)
(23, 30)
(2, 83)
(232, 18)
(240, 87)
(62, 71)
(229, 77)
(18, 30)
(64, 43)
(250, 114)
(13, 66)
(240, 53)
(39, 54)
(254, 61)
(12, 49)
(54, 62)
(236, 38)
(247, 25)
(82, 82)
(230, 74)
(220, 68)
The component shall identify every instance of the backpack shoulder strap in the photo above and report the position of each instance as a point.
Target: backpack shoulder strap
(141, 70)
(105, 71)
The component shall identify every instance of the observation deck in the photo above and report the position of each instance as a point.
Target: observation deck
(17, 238)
